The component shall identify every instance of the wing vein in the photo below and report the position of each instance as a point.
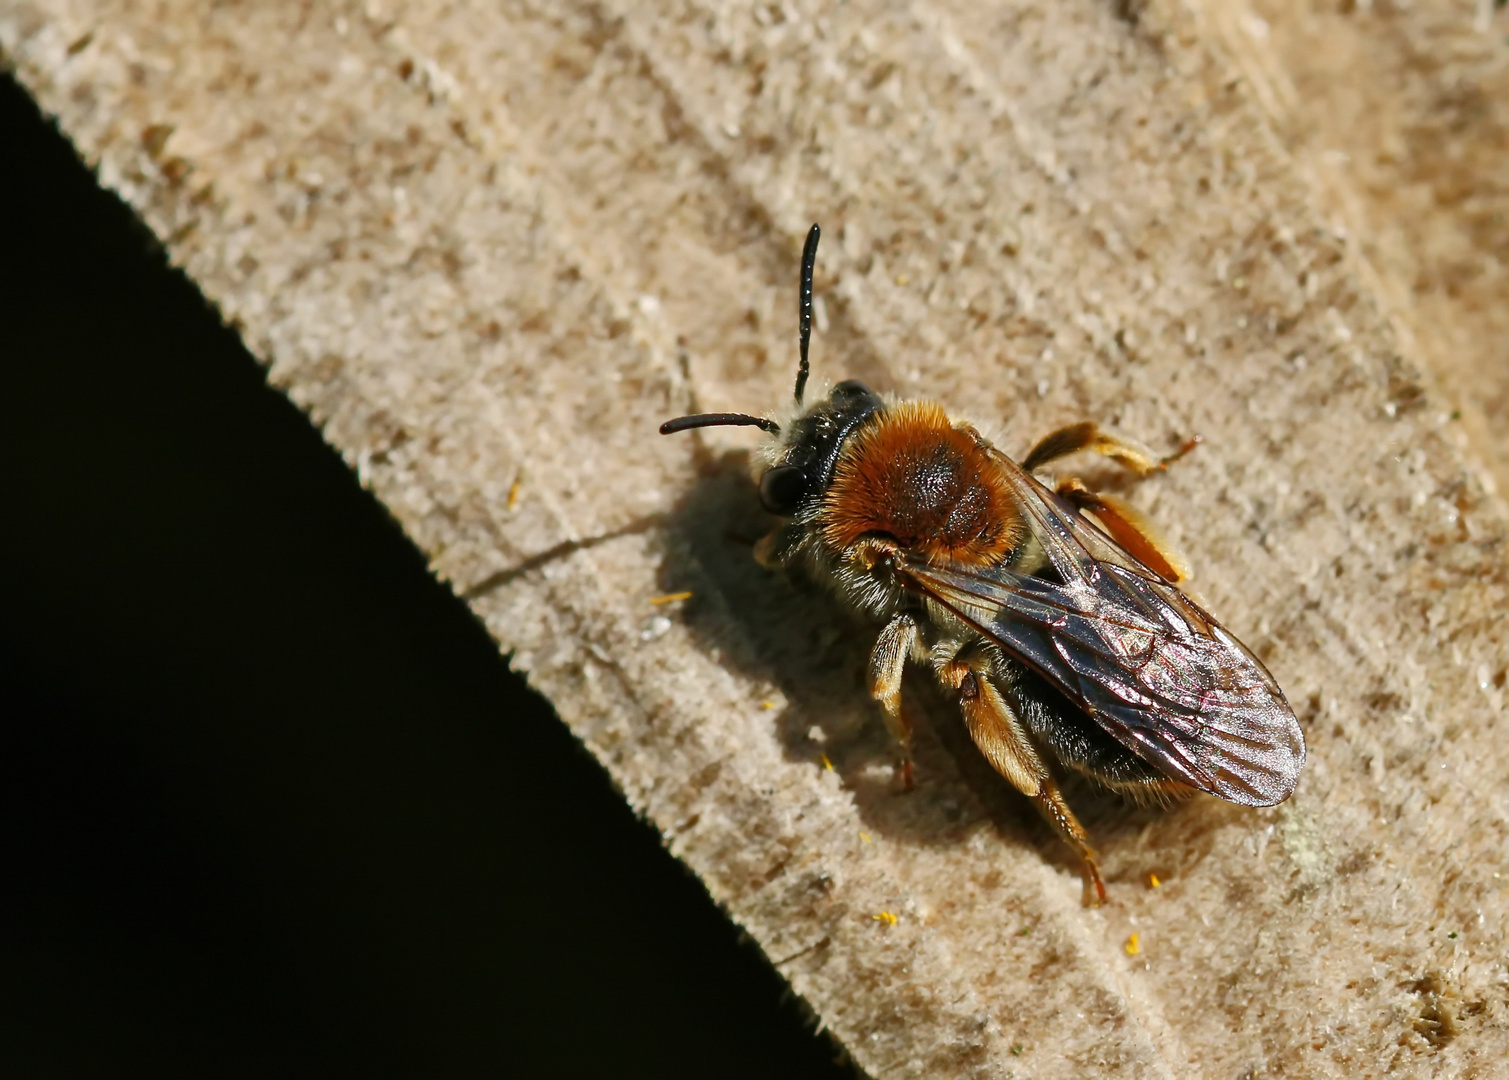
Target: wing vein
(1145, 662)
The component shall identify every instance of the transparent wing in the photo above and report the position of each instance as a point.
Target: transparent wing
(1155, 671)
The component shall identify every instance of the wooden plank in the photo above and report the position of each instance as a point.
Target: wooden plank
(490, 247)
(1398, 116)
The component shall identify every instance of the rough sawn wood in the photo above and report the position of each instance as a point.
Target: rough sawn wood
(490, 246)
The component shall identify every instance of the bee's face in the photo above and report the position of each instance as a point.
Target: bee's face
(806, 457)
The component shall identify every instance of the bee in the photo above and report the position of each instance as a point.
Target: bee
(1053, 613)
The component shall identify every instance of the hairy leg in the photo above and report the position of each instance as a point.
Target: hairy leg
(1088, 436)
(1154, 792)
(1003, 740)
(1129, 529)
(887, 662)
(1126, 526)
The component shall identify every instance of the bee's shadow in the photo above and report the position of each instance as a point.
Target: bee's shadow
(787, 632)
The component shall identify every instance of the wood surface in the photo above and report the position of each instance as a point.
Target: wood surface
(1397, 115)
(489, 247)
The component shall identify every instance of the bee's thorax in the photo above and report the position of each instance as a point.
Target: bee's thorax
(934, 488)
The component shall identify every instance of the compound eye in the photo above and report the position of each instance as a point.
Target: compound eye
(782, 489)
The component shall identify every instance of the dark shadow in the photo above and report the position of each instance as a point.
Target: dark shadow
(271, 803)
(788, 631)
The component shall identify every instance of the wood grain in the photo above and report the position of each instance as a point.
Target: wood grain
(489, 247)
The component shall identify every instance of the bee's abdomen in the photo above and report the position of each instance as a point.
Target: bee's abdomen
(912, 475)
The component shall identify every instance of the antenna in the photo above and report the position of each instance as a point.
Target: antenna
(804, 309)
(719, 419)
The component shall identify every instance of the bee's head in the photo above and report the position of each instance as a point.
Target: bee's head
(805, 454)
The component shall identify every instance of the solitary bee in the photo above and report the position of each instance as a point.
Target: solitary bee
(1052, 612)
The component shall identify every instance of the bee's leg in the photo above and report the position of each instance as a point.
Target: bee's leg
(1001, 738)
(1155, 791)
(1129, 529)
(887, 662)
(1088, 436)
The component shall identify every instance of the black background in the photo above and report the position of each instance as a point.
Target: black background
(270, 801)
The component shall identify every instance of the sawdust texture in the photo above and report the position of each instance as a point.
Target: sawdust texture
(490, 246)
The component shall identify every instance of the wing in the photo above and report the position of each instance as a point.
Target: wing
(1150, 667)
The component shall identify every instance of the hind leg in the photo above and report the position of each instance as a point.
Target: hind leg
(1003, 740)
(1130, 529)
(1126, 526)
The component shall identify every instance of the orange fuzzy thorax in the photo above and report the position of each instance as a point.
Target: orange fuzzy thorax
(933, 487)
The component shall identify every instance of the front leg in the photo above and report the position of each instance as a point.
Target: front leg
(887, 662)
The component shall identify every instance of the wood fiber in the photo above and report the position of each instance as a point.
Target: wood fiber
(489, 247)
